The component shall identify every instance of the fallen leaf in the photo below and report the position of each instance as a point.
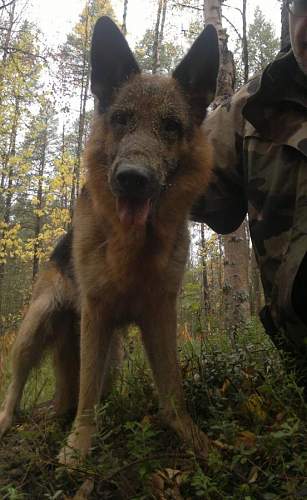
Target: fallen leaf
(225, 386)
(165, 484)
(247, 439)
(254, 406)
(253, 475)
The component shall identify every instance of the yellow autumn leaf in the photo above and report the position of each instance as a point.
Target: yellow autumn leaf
(8, 243)
(254, 406)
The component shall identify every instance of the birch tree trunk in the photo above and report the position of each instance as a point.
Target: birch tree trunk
(158, 38)
(235, 290)
(155, 47)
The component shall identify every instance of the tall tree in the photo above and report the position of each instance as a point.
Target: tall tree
(169, 53)
(226, 77)
(236, 300)
(75, 73)
(20, 78)
(158, 35)
(263, 45)
(39, 149)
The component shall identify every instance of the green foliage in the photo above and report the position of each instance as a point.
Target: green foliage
(263, 45)
(203, 486)
(252, 410)
(190, 302)
(74, 61)
(142, 443)
(170, 53)
(194, 29)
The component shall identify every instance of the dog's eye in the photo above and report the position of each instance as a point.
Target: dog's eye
(172, 126)
(121, 118)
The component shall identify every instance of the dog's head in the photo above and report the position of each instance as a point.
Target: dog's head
(148, 120)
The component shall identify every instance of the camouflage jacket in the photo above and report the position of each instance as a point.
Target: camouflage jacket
(259, 137)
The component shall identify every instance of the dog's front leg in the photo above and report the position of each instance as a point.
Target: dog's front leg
(159, 331)
(95, 343)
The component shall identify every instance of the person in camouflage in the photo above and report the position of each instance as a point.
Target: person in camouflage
(259, 137)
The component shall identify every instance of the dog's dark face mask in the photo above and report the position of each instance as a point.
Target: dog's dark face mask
(150, 119)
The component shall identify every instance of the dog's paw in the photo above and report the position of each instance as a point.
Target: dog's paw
(191, 434)
(69, 457)
(5, 422)
(78, 446)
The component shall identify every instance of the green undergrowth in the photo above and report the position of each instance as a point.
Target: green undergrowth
(238, 392)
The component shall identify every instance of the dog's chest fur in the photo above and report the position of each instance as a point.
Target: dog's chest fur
(127, 268)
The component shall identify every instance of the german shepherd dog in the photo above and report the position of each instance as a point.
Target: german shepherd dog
(147, 162)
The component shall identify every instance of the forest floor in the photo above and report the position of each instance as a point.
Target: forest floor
(253, 412)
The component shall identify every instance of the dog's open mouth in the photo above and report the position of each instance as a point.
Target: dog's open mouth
(133, 211)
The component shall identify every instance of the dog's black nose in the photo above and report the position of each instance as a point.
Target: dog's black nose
(134, 181)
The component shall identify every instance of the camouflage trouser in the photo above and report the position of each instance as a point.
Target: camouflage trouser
(291, 333)
(286, 319)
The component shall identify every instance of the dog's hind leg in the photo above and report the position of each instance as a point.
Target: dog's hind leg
(159, 338)
(51, 292)
(66, 361)
(32, 338)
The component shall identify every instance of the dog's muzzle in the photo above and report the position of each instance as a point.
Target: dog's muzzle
(134, 187)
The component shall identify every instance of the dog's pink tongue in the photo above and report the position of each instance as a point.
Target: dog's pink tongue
(132, 212)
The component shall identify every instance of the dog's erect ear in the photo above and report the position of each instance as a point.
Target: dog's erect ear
(197, 72)
(111, 59)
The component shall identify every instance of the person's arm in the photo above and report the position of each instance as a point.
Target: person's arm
(224, 205)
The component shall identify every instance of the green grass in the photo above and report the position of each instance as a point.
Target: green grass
(252, 410)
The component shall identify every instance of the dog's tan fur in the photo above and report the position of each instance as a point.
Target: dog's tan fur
(120, 274)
